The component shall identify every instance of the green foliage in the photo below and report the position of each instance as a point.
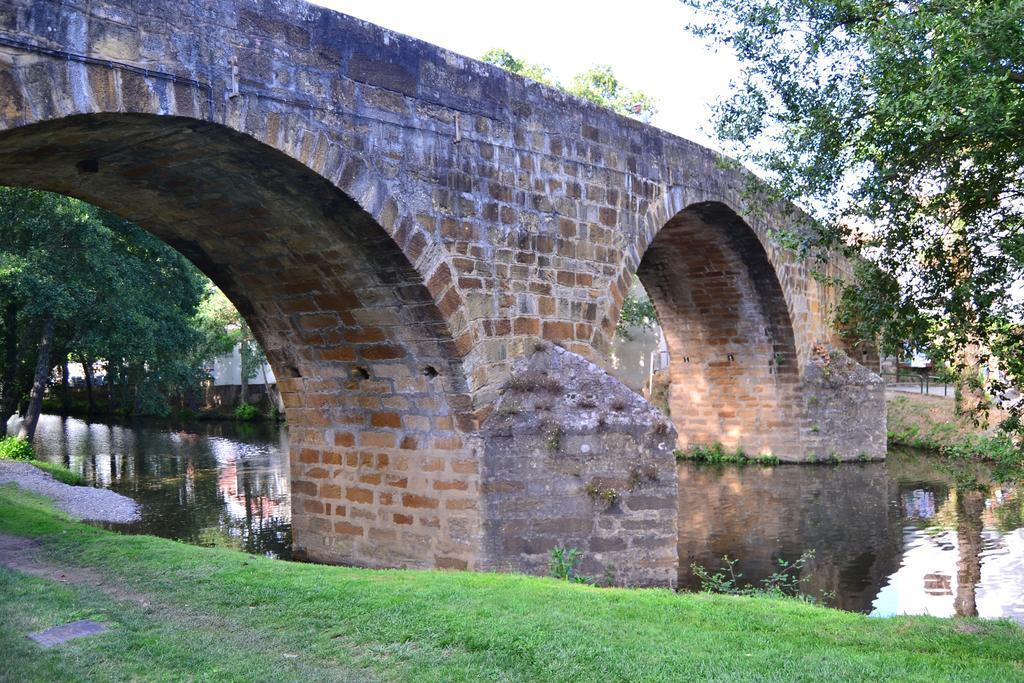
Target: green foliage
(247, 412)
(609, 496)
(784, 582)
(504, 59)
(13, 448)
(114, 291)
(563, 562)
(1001, 451)
(597, 84)
(717, 454)
(637, 311)
(899, 126)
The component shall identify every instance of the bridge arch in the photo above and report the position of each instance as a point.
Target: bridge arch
(733, 363)
(372, 381)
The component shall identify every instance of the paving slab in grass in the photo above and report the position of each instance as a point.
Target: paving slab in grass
(61, 634)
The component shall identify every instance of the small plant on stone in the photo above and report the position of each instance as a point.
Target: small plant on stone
(554, 440)
(609, 576)
(534, 381)
(510, 408)
(714, 453)
(563, 562)
(608, 496)
(638, 476)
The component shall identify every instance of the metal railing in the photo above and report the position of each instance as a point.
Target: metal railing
(924, 382)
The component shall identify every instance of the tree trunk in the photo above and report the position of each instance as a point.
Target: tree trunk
(8, 390)
(87, 370)
(111, 372)
(35, 404)
(65, 385)
(273, 396)
(245, 380)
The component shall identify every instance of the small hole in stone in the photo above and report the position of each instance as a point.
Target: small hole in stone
(88, 166)
(686, 359)
(359, 372)
(731, 358)
(430, 371)
(291, 371)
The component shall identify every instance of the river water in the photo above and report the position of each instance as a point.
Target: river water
(889, 538)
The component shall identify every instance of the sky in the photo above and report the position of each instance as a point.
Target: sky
(644, 41)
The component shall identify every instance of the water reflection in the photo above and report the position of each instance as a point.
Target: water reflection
(207, 483)
(889, 538)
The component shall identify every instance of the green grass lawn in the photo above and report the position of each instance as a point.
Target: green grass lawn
(189, 613)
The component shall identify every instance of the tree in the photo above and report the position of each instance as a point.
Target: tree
(504, 59)
(637, 311)
(224, 328)
(78, 280)
(597, 84)
(899, 126)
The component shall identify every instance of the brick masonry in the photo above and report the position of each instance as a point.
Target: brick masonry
(400, 224)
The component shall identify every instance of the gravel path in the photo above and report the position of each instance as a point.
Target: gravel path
(81, 502)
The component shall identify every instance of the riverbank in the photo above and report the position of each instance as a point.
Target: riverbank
(931, 422)
(180, 612)
(79, 502)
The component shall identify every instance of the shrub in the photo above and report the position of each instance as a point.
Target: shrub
(785, 582)
(717, 454)
(13, 448)
(562, 564)
(247, 412)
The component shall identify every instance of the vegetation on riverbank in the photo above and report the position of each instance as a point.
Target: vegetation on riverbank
(13, 448)
(184, 612)
(932, 423)
(717, 454)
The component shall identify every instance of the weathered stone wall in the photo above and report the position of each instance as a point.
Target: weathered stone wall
(398, 223)
(573, 458)
(841, 412)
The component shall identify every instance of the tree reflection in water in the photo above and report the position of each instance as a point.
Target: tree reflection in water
(890, 538)
(207, 483)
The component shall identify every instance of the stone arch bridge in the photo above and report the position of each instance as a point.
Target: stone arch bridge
(433, 253)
